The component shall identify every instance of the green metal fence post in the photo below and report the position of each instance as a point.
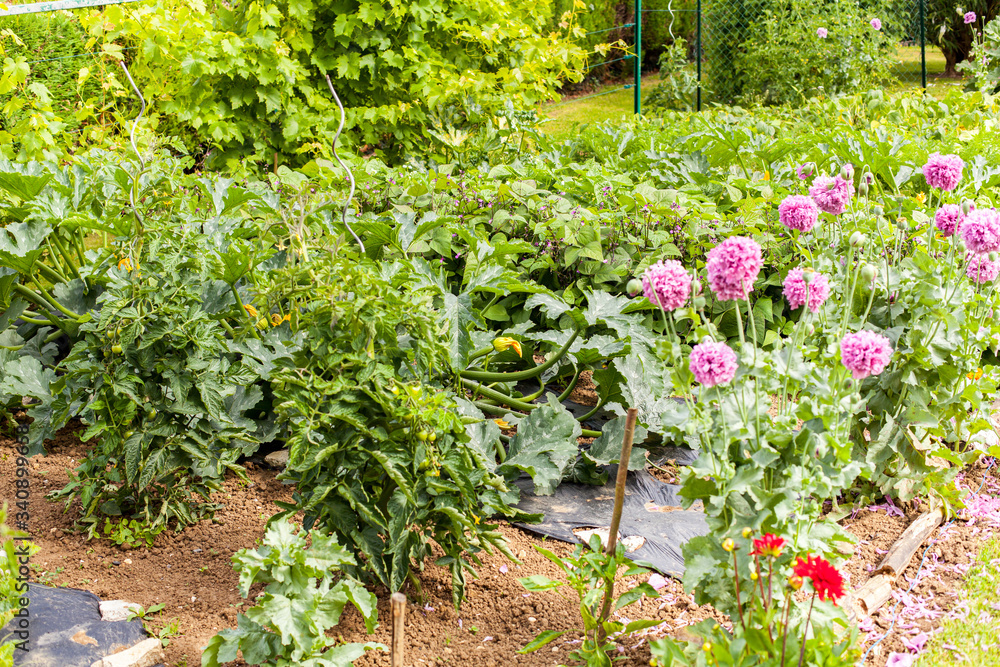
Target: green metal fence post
(698, 54)
(923, 45)
(638, 57)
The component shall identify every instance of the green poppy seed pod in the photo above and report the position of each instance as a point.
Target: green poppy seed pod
(634, 287)
(810, 328)
(863, 190)
(992, 256)
(966, 206)
(807, 276)
(959, 247)
(878, 210)
(857, 239)
(696, 287)
(868, 273)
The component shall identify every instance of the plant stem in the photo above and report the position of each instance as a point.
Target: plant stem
(736, 578)
(784, 627)
(805, 630)
(522, 375)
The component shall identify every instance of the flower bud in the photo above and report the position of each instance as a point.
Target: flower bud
(992, 256)
(807, 276)
(747, 533)
(754, 576)
(863, 189)
(706, 647)
(810, 328)
(695, 287)
(847, 171)
(634, 287)
(868, 178)
(795, 582)
(868, 273)
(728, 544)
(966, 206)
(959, 247)
(857, 240)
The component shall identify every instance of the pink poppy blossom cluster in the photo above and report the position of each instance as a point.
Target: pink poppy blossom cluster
(667, 284)
(981, 230)
(948, 219)
(832, 193)
(943, 171)
(877, 24)
(797, 291)
(865, 353)
(712, 363)
(798, 212)
(982, 269)
(733, 266)
(970, 17)
(821, 33)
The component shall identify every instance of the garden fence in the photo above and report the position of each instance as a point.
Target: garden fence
(721, 31)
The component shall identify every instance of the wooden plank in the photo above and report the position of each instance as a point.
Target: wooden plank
(902, 551)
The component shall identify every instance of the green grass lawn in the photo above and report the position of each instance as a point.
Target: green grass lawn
(971, 642)
(607, 105)
(600, 106)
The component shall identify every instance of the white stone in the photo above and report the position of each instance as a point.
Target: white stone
(118, 610)
(144, 654)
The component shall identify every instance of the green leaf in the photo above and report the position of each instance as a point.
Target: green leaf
(21, 245)
(541, 640)
(545, 446)
(607, 448)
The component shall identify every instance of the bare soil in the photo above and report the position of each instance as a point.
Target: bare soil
(191, 573)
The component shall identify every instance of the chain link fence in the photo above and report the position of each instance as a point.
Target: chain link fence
(770, 52)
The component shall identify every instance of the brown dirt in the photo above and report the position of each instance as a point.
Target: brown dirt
(191, 574)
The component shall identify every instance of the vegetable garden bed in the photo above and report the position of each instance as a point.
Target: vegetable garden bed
(191, 575)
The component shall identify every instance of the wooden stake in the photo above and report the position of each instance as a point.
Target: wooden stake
(616, 515)
(398, 603)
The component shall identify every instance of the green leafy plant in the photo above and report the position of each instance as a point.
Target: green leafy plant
(592, 574)
(771, 628)
(258, 84)
(377, 451)
(129, 533)
(304, 596)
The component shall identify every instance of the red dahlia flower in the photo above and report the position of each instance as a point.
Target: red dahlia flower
(826, 580)
(770, 545)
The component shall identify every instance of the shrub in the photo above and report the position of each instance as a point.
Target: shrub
(53, 38)
(251, 80)
(768, 51)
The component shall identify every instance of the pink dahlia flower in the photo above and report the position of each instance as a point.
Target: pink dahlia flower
(713, 363)
(981, 230)
(796, 289)
(970, 17)
(831, 193)
(733, 266)
(943, 171)
(865, 353)
(982, 269)
(949, 218)
(877, 24)
(821, 33)
(667, 284)
(798, 212)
